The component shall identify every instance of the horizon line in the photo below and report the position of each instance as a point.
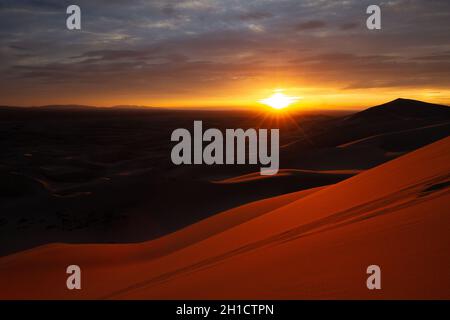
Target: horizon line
(205, 108)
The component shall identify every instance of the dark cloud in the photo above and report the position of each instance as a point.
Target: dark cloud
(34, 5)
(256, 15)
(104, 55)
(169, 10)
(348, 26)
(309, 25)
(435, 57)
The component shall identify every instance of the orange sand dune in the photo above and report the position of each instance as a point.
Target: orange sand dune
(318, 246)
(101, 254)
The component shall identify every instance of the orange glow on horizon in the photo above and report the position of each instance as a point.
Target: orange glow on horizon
(248, 97)
(304, 98)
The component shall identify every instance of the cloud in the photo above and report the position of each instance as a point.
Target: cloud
(255, 15)
(309, 25)
(348, 26)
(142, 46)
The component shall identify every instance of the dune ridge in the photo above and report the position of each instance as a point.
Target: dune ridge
(256, 176)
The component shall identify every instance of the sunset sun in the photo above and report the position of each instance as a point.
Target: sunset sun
(279, 101)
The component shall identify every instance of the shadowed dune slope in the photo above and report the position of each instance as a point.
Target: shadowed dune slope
(404, 140)
(319, 246)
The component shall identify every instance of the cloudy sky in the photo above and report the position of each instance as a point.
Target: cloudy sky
(223, 52)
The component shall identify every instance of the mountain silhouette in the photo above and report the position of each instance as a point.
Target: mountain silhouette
(400, 125)
(393, 116)
(404, 109)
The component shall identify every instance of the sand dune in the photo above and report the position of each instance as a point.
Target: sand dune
(91, 175)
(315, 245)
(403, 139)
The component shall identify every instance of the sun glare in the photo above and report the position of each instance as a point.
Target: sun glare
(279, 101)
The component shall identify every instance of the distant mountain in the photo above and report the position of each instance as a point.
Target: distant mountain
(66, 107)
(404, 109)
(400, 125)
(77, 107)
(393, 116)
(128, 106)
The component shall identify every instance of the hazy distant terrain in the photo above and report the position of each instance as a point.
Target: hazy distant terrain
(80, 174)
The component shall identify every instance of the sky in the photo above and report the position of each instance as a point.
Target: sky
(223, 53)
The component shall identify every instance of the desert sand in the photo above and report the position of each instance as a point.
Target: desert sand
(312, 244)
(75, 174)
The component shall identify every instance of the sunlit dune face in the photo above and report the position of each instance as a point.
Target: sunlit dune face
(279, 101)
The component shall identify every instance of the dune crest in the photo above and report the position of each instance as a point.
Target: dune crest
(288, 172)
